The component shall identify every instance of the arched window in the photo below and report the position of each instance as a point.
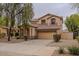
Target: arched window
(53, 21)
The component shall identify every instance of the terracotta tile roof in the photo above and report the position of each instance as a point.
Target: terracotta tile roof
(47, 27)
(39, 27)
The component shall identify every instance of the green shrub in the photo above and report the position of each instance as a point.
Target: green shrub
(12, 34)
(57, 37)
(18, 37)
(16, 34)
(74, 50)
(61, 50)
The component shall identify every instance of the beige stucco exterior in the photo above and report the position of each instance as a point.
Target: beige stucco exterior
(2, 30)
(67, 35)
(47, 21)
(32, 31)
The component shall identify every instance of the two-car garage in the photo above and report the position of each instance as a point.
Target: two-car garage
(45, 35)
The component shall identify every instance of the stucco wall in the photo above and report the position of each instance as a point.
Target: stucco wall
(58, 21)
(32, 32)
(67, 35)
(48, 21)
(39, 22)
(2, 30)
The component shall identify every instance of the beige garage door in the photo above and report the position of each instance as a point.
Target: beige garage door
(45, 35)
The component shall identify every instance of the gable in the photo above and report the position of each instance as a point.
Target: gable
(46, 19)
(47, 16)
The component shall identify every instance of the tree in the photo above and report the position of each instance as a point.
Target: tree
(2, 21)
(1, 9)
(72, 23)
(12, 10)
(75, 6)
(27, 15)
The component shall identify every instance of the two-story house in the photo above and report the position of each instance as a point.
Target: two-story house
(45, 26)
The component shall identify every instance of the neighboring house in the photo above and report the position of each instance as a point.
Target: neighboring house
(2, 32)
(2, 29)
(45, 26)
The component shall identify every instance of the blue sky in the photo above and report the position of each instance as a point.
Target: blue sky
(61, 9)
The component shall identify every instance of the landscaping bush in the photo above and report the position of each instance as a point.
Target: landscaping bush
(17, 35)
(12, 34)
(61, 50)
(74, 50)
(2, 35)
(57, 37)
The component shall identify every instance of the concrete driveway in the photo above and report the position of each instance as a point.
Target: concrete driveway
(27, 48)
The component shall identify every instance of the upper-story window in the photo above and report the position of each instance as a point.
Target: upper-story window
(53, 21)
(43, 21)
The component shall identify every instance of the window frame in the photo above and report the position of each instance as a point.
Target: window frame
(43, 21)
(53, 21)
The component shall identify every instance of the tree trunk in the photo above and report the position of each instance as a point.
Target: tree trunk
(9, 32)
(20, 33)
(11, 25)
(26, 33)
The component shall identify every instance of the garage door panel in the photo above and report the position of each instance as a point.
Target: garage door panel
(45, 35)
